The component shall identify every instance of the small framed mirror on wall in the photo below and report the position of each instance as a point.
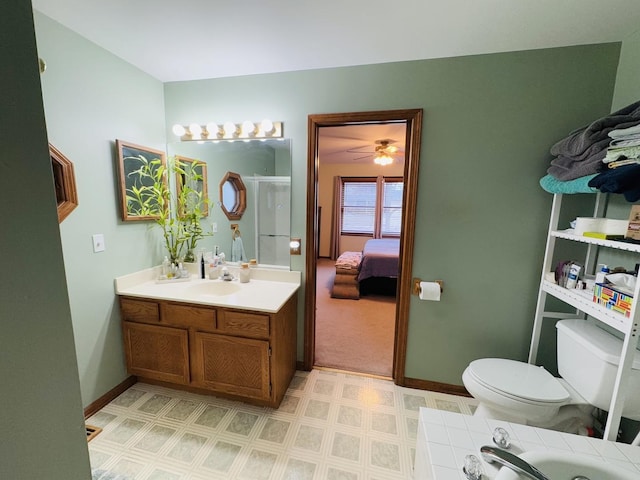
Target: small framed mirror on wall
(233, 196)
(131, 159)
(64, 180)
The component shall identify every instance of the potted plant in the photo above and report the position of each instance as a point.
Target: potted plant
(177, 215)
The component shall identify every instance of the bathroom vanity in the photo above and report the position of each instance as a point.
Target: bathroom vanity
(210, 336)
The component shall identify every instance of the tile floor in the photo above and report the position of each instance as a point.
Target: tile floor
(330, 425)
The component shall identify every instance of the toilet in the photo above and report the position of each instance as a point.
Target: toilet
(588, 358)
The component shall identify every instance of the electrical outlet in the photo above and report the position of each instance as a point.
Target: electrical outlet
(98, 243)
(214, 227)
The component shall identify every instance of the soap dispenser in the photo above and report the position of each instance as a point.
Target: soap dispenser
(245, 273)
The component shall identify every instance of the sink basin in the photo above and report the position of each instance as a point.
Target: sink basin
(215, 288)
(566, 466)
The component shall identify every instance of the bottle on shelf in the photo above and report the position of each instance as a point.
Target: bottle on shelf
(602, 274)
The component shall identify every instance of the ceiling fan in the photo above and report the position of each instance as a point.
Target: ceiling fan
(383, 151)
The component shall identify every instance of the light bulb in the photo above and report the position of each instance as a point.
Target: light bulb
(248, 128)
(267, 126)
(178, 130)
(383, 160)
(230, 129)
(212, 130)
(195, 130)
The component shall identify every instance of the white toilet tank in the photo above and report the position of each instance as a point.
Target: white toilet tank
(588, 359)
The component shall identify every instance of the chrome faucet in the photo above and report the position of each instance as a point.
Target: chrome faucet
(492, 454)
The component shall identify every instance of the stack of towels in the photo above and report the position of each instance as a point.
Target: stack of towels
(604, 156)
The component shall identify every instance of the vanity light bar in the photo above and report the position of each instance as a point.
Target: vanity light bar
(229, 131)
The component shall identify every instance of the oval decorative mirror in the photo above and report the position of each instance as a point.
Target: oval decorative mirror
(233, 196)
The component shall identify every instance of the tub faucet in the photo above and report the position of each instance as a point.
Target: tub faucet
(492, 454)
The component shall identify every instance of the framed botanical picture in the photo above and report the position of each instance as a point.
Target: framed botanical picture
(142, 174)
(192, 174)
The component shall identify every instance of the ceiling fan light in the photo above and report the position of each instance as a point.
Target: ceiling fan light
(383, 159)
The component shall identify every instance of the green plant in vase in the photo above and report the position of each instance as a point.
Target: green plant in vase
(179, 216)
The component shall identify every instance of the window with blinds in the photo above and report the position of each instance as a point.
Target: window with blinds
(372, 206)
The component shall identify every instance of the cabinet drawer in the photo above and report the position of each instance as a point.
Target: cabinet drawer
(139, 311)
(201, 318)
(245, 324)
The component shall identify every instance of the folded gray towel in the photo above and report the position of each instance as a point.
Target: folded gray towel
(567, 168)
(585, 142)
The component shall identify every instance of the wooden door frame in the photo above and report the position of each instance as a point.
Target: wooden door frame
(413, 119)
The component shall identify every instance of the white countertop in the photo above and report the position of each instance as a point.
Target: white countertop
(445, 438)
(268, 290)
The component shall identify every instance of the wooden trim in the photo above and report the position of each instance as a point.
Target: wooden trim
(435, 387)
(412, 149)
(109, 396)
(413, 119)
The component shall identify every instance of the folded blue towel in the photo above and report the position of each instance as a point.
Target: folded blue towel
(624, 179)
(579, 185)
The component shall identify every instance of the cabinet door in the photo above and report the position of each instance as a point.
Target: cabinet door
(160, 353)
(238, 366)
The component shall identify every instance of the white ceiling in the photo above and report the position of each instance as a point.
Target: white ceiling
(195, 39)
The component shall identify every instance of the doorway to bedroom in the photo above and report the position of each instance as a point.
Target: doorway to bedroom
(362, 182)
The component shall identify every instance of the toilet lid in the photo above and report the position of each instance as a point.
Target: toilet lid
(518, 379)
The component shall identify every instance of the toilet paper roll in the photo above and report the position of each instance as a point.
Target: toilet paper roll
(430, 291)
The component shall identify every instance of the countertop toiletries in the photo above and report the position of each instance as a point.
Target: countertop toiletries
(182, 272)
(202, 265)
(245, 274)
(253, 263)
(226, 275)
(166, 267)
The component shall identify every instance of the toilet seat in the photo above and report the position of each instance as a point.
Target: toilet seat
(518, 381)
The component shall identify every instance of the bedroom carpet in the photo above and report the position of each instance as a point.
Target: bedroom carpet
(353, 335)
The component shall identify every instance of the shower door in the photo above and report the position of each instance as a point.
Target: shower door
(273, 220)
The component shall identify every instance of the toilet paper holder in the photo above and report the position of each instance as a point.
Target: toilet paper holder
(416, 285)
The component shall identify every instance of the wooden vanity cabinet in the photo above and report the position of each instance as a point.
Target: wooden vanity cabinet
(245, 355)
(153, 350)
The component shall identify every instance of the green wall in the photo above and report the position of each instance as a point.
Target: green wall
(627, 89)
(489, 121)
(41, 420)
(92, 98)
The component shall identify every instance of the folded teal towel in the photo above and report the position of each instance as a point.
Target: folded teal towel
(579, 185)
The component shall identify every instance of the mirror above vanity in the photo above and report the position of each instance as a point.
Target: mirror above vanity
(252, 179)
